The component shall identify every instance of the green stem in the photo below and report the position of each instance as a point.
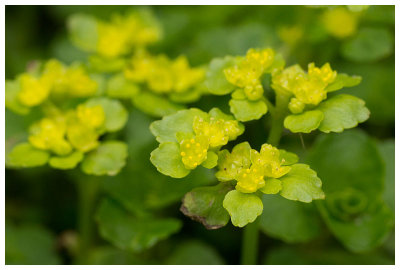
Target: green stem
(278, 115)
(87, 191)
(250, 243)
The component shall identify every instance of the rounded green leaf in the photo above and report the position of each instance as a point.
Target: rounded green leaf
(11, 98)
(342, 112)
(211, 161)
(301, 184)
(370, 44)
(108, 159)
(155, 105)
(132, 233)
(24, 155)
(289, 157)
(204, 204)
(215, 81)
(272, 186)
(182, 121)
(167, 159)
(243, 208)
(83, 31)
(115, 114)
(343, 80)
(305, 122)
(290, 221)
(66, 162)
(119, 87)
(245, 110)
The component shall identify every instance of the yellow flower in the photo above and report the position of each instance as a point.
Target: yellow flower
(112, 41)
(79, 82)
(185, 76)
(194, 151)
(269, 159)
(285, 80)
(33, 91)
(91, 116)
(251, 179)
(340, 22)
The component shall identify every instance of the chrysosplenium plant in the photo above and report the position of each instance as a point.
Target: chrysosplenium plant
(303, 103)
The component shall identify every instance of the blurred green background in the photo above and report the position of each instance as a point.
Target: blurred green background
(41, 204)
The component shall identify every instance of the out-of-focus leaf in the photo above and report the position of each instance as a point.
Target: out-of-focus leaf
(66, 162)
(246, 110)
(11, 98)
(83, 31)
(131, 233)
(204, 204)
(108, 255)
(370, 44)
(343, 80)
(25, 155)
(194, 252)
(304, 122)
(215, 81)
(387, 151)
(119, 87)
(29, 244)
(107, 159)
(155, 105)
(290, 221)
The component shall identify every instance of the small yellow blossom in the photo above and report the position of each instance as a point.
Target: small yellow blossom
(79, 82)
(33, 91)
(91, 116)
(251, 179)
(112, 41)
(269, 159)
(194, 151)
(340, 22)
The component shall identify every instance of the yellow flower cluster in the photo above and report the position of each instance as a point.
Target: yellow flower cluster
(246, 74)
(208, 133)
(122, 33)
(250, 167)
(57, 80)
(308, 89)
(340, 22)
(163, 75)
(77, 129)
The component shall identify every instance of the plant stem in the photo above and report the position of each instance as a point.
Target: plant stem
(87, 191)
(250, 243)
(278, 115)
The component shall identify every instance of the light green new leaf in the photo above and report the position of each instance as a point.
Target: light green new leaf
(245, 110)
(11, 98)
(182, 121)
(272, 186)
(243, 208)
(304, 122)
(370, 44)
(66, 162)
(167, 159)
(301, 184)
(342, 112)
(119, 87)
(204, 204)
(290, 221)
(131, 233)
(83, 31)
(215, 81)
(289, 157)
(155, 105)
(116, 115)
(24, 155)
(343, 80)
(108, 159)
(211, 161)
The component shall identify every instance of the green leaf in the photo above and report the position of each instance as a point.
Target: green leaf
(155, 105)
(304, 222)
(370, 44)
(119, 87)
(343, 80)
(342, 112)
(215, 81)
(11, 98)
(167, 159)
(131, 233)
(109, 255)
(245, 110)
(102, 64)
(83, 31)
(387, 151)
(194, 252)
(182, 121)
(204, 204)
(301, 184)
(304, 122)
(211, 161)
(188, 96)
(243, 208)
(115, 114)
(272, 186)
(356, 167)
(289, 157)
(29, 245)
(24, 155)
(279, 62)
(107, 159)
(66, 162)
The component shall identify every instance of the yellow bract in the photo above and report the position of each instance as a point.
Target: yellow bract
(269, 159)
(163, 75)
(194, 151)
(33, 90)
(340, 22)
(91, 116)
